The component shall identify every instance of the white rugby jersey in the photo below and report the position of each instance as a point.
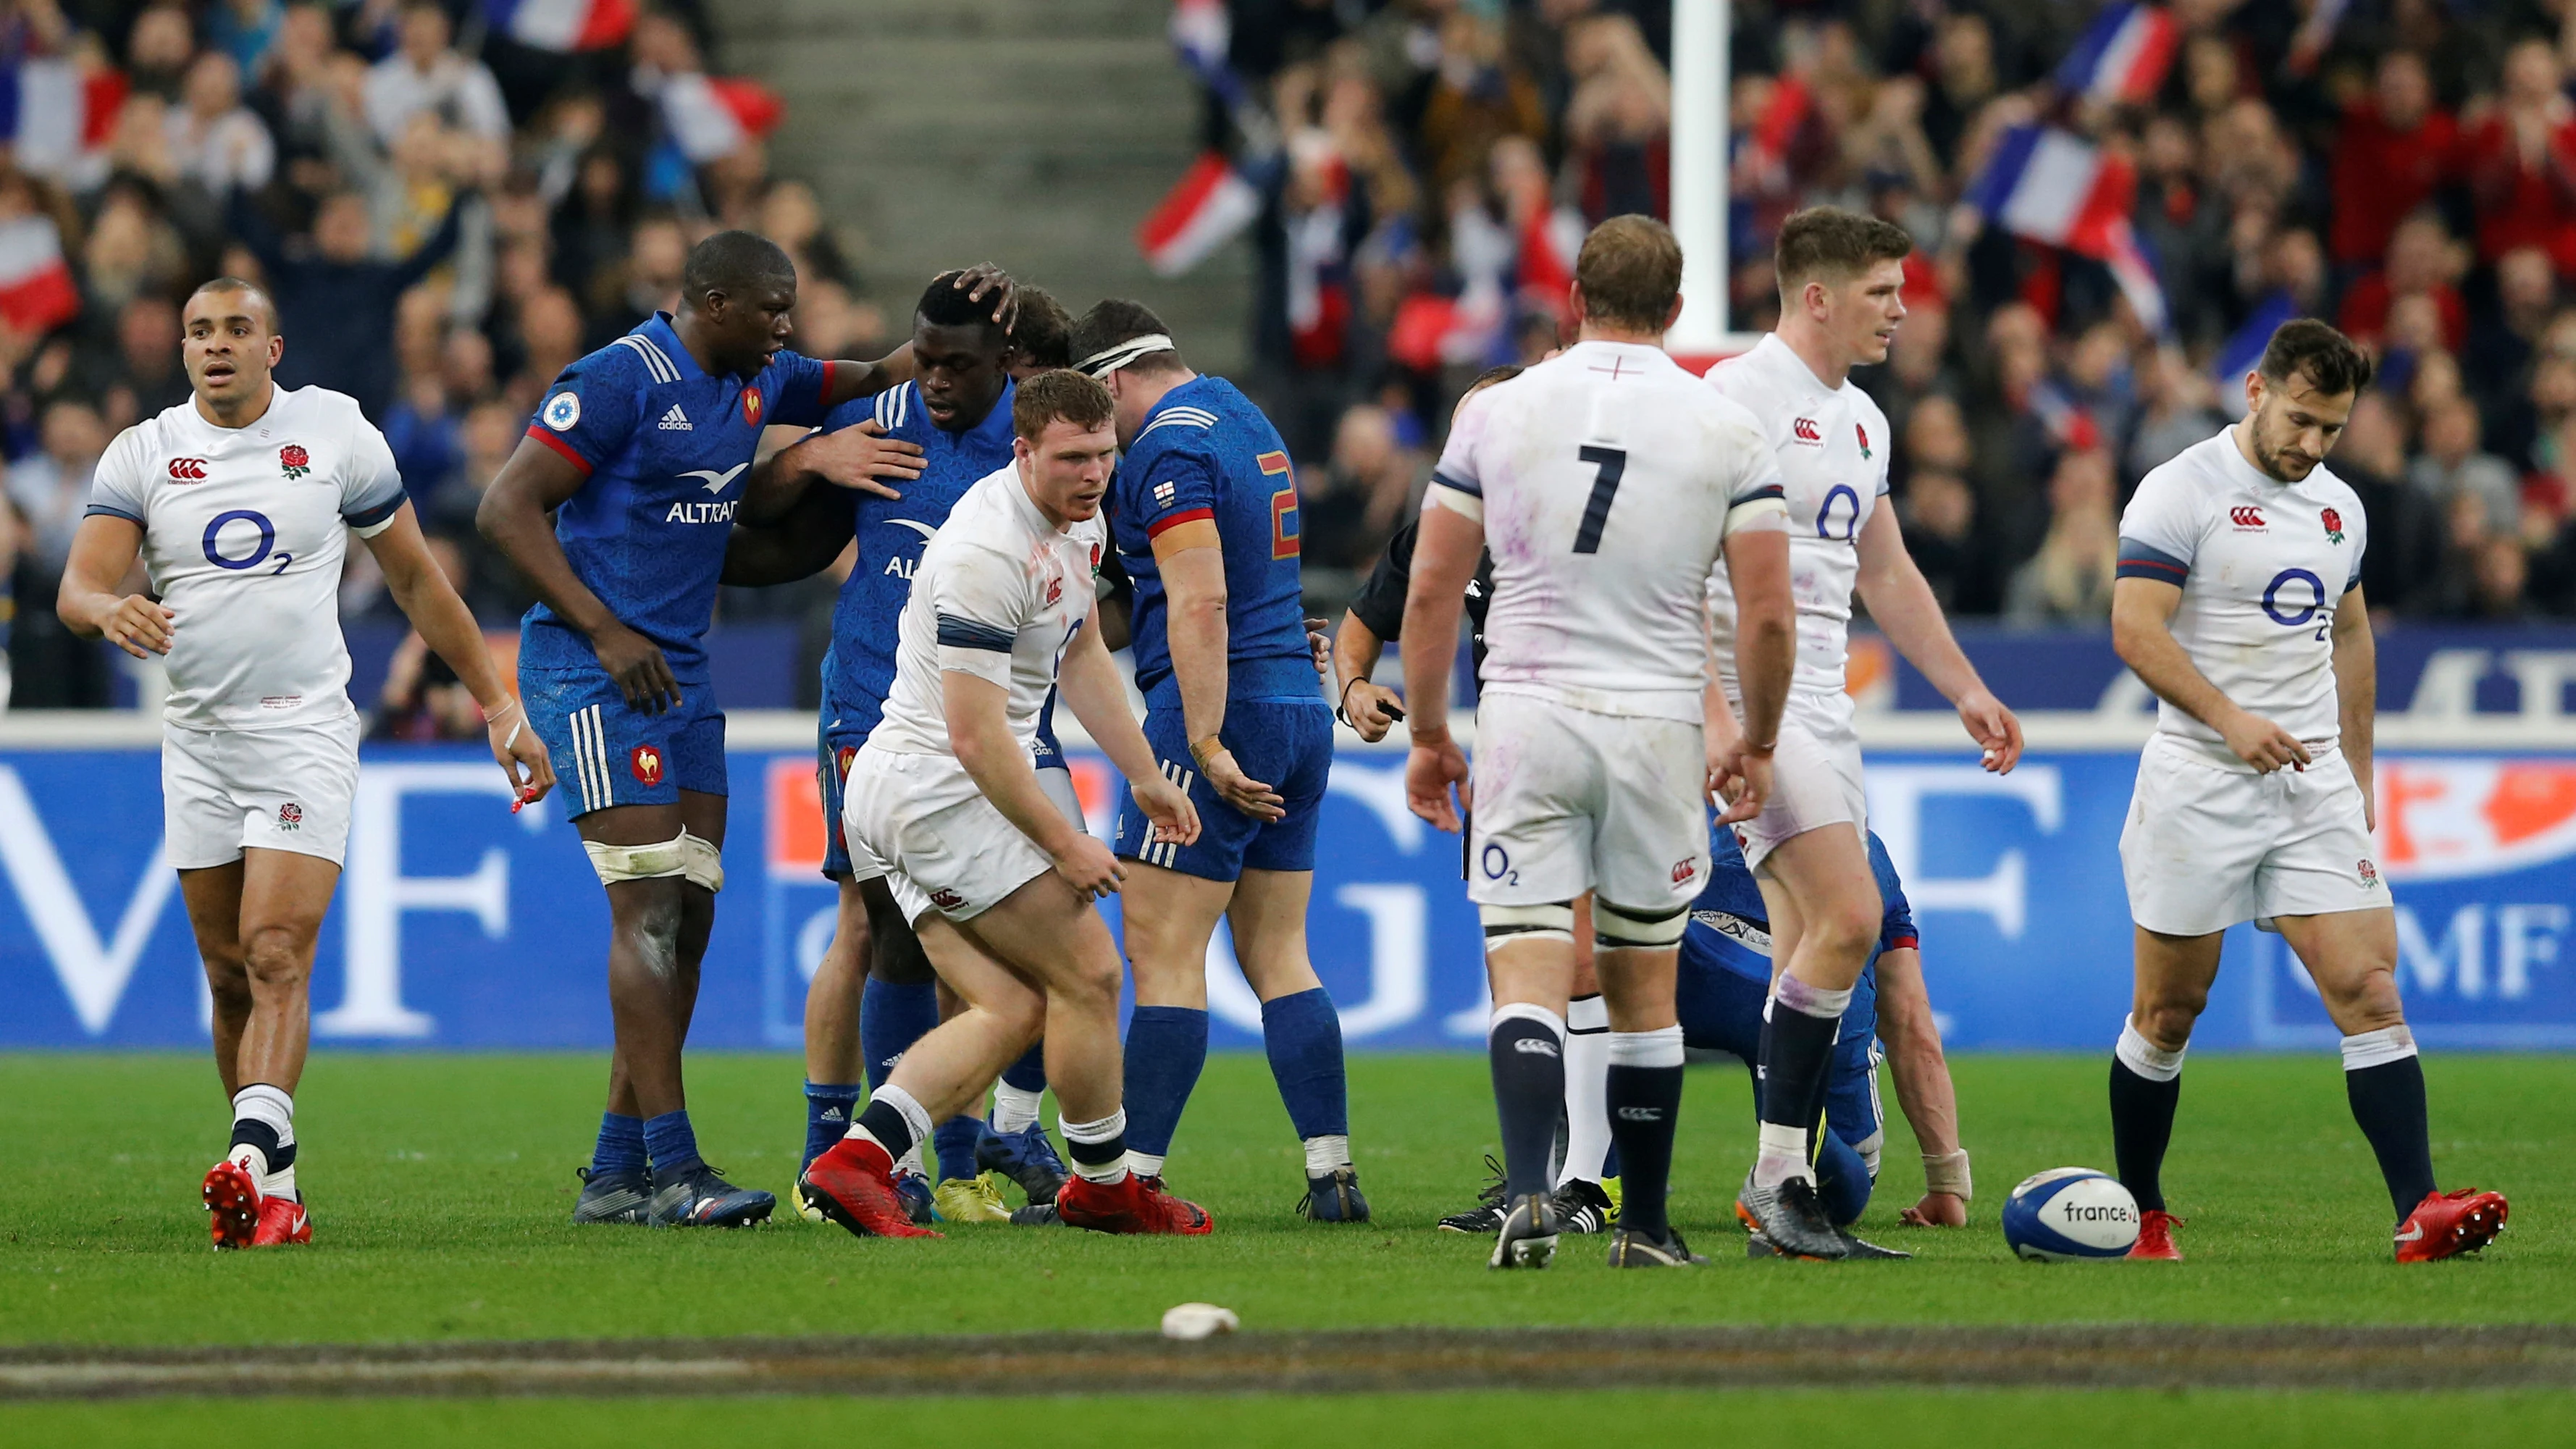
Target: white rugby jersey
(998, 594)
(1832, 444)
(2262, 565)
(1609, 479)
(244, 531)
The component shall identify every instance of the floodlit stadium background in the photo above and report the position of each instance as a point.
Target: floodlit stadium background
(1350, 208)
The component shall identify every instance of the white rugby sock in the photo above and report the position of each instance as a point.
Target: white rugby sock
(1587, 1084)
(274, 1109)
(1324, 1154)
(2377, 1048)
(1143, 1164)
(1783, 1155)
(2158, 1065)
(1105, 1132)
(1014, 1108)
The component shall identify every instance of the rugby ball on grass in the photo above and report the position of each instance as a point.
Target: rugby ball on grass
(2070, 1212)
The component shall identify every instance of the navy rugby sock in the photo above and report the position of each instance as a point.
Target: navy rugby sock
(1166, 1050)
(892, 1016)
(2383, 1078)
(1644, 1097)
(1028, 1074)
(1526, 1045)
(621, 1145)
(2146, 1086)
(827, 1118)
(954, 1140)
(1303, 1035)
(671, 1142)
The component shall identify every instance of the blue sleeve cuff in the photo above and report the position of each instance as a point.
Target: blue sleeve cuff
(2138, 561)
(1467, 486)
(370, 517)
(97, 509)
(957, 633)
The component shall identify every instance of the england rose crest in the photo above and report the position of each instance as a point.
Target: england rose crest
(2334, 525)
(295, 460)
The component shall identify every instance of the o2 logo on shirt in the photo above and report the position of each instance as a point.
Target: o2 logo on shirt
(562, 411)
(2273, 602)
(213, 544)
(1825, 512)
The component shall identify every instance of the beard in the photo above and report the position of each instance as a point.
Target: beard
(2274, 462)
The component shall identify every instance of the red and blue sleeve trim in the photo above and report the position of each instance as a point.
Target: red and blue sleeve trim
(1157, 528)
(2138, 561)
(97, 510)
(378, 514)
(545, 435)
(825, 401)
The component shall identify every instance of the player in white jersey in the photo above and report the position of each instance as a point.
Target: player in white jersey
(2239, 603)
(1607, 483)
(240, 503)
(997, 881)
(1841, 278)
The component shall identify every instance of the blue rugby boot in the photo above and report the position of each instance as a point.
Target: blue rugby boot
(918, 1196)
(697, 1196)
(611, 1197)
(1334, 1197)
(1027, 1157)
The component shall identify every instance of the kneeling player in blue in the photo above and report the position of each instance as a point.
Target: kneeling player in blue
(1204, 515)
(641, 451)
(874, 993)
(1721, 995)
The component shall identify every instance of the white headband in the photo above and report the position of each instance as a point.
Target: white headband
(1109, 359)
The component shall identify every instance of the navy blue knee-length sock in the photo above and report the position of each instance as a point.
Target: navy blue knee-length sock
(1166, 1050)
(1303, 1035)
(892, 1016)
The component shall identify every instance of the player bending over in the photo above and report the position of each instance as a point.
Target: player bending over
(874, 993)
(2239, 603)
(1607, 482)
(641, 451)
(1204, 513)
(240, 502)
(1841, 275)
(998, 882)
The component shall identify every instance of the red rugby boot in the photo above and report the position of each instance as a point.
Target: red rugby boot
(2155, 1238)
(233, 1204)
(2446, 1225)
(1130, 1205)
(853, 1184)
(281, 1222)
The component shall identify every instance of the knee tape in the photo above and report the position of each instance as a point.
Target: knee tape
(701, 862)
(1618, 928)
(640, 862)
(1506, 924)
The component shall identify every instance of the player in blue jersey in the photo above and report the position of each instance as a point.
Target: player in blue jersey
(644, 451)
(1724, 983)
(874, 993)
(1204, 516)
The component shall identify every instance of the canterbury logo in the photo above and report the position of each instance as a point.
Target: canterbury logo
(1806, 431)
(2246, 517)
(188, 470)
(1535, 1047)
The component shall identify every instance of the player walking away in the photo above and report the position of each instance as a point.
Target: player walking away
(998, 882)
(240, 502)
(1722, 993)
(641, 450)
(1204, 513)
(2239, 603)
(1608, 483)
(1841, 275)
(874, 993)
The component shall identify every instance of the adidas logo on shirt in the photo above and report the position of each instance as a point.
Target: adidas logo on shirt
(675, 421)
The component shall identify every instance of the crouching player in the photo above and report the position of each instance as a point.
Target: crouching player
(1722, 996)
(998, 883)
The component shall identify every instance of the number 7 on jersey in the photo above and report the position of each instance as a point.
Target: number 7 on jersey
(1612, 462)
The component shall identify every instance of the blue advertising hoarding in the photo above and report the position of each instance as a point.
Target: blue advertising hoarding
(459, 924)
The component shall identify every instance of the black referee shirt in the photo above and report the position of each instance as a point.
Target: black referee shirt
(1380, 602)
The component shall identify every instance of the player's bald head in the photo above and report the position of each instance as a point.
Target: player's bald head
(229, 296)
(736, 264)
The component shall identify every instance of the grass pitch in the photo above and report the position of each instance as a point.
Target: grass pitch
(440, 1185)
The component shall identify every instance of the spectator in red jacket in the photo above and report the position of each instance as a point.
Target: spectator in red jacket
(2422, 261)
(2522, 161)
(2393, 150)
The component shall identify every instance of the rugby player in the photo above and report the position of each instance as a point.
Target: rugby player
(1841, 276)
(1204, 513)
(240, 503)
(1608, 483)
(874, 993)
(2239, 603)
(640, 450)
(996, 879)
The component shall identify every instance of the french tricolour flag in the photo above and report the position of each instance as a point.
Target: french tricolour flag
(54, 115)
(562, 26)
(1204, 35)
(2243, 349)
(1210, 205)
(711, 117)
(36, 289)
(2123, 57)
(2055, 187)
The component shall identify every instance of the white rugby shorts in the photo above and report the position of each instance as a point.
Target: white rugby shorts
(2206, 846)
(1568, 800)
(942, 845)
(288, 788)
(1815, 777)
(908, 897)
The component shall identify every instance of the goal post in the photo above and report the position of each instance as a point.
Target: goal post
(1698, 183)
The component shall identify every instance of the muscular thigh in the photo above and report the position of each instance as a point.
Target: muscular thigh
(285, 890)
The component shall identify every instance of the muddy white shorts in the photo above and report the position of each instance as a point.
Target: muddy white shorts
(942, 845)
(1569, 800)
(287, 788)
(2207, 844)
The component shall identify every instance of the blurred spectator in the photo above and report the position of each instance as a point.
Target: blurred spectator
(48, 491)
(2069, 580)
(2452, 464)
(423, 75)
(2396, 146)
(2422, 262)
(214, 139)
(2401, 567)
(336, 301)
(422, 699)
(2522, 160)
(1477, 97)
(1364, 493)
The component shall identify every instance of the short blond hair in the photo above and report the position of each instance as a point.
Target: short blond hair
(1630, 270)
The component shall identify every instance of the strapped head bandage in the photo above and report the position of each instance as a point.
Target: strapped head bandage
(1121, 354)
(640, 862)
(1620, 928)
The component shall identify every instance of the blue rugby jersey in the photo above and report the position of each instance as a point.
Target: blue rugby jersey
(1206, 452)
(1732, 900)
(892, 532)
(663, 449)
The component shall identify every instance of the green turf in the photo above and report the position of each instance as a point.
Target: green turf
(1914, 1419)
(440, 1187)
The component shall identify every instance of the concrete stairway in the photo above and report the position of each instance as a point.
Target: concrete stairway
(1033, 133)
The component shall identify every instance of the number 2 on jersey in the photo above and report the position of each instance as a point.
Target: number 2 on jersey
(1612, 462)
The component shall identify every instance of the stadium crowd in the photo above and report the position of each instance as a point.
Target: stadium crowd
(2402, 167)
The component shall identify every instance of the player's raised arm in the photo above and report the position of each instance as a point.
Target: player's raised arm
(89, 604)
(1902, 603)
(538, 479)
(427, 598)
(2356, 671)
